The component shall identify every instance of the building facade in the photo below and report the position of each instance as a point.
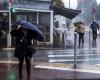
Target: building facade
(36, 12)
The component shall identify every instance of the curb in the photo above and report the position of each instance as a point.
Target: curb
(37, 49)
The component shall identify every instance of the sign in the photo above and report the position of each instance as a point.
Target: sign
(11, 1)
(93, 10)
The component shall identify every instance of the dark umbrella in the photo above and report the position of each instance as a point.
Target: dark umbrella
(34, 30)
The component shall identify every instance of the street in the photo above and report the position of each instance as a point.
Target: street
(56, 62)
(87, 56)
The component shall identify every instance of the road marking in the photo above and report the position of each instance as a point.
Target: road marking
(72, 55)
(67, 69)
(67, 52)
(8, 62)
(68, 60)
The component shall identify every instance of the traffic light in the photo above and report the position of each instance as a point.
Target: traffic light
(13, 10)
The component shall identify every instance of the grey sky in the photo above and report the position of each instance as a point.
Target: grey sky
(73, 3)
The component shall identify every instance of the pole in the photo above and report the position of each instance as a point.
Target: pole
(69, 3)
(94, 11)
(9, 36)
(75, 50)
(94, 16)
(65, 38)
(89, 38)
(69, 20)
(82, 11)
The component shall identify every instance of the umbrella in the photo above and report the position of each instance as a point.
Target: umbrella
(76, 24)
(37, 33)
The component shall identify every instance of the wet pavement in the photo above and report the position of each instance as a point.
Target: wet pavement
(56, 64)
(60, 61)
(11, 73)
(87, 56)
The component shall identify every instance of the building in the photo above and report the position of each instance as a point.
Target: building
(86, 8)
(35, 11)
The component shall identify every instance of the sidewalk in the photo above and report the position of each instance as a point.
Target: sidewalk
(7, 73)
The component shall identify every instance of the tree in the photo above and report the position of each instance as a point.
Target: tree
(59, 2)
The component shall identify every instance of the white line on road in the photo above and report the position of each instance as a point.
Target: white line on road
(67, 69)
(64, 60)
(72, 55)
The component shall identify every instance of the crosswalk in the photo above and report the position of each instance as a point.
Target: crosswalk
(67, 56)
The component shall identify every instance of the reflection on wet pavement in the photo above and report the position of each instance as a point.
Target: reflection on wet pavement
(46, 74)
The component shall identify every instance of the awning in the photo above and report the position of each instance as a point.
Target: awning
(69, 13)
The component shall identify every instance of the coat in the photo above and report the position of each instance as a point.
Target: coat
(80, 28)
(94, 26)
(22, 44)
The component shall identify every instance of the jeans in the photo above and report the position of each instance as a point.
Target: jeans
(81, 39)
(94, 35)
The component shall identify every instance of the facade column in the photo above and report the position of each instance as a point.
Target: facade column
(51, 27)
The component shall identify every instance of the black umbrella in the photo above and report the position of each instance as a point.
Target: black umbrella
(34, 29)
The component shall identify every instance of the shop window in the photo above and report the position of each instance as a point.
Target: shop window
(44, 21)
(4, 28)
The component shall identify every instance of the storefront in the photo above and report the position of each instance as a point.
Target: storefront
(4, 23)
(37, 14)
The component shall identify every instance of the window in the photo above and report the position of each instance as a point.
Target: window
(44, 20)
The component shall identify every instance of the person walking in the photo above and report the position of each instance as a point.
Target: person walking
(22, 51)
(94, 26)
(80, 29)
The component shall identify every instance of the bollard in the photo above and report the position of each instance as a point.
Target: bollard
(75, 50)
(89, 38)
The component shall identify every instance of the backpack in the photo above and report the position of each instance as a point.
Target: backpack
(94, 26)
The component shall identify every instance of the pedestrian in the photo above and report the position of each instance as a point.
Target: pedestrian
(56, 23)
(80, 29)
(94, 26)
(23, 50)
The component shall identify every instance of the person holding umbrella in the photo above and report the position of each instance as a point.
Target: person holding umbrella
(80, 29)
(24, 50)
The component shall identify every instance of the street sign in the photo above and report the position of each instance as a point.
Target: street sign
(11, 1)
(93, 10)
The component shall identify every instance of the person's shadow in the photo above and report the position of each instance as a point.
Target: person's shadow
(94, 44)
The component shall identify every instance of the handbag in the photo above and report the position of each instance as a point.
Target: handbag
(31, 49)
(18, 51)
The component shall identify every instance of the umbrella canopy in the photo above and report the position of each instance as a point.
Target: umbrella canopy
(76, 24)
(34, 30)
(69, 13)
